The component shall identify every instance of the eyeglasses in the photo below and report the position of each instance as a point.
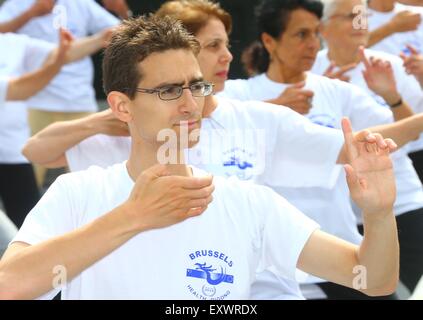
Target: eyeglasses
(173, 92)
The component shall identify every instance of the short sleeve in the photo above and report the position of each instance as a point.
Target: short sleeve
(99, 18)
(51, 217)
(285, 232)
(305, 154)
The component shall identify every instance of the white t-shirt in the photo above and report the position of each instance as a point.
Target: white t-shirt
(72, 90)
(3, 90)
(213, 256)
(23, 55)
(409, 188)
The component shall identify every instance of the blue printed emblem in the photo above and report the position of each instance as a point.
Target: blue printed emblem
(209, 278)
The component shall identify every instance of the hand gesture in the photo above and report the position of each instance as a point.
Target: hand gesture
(340, 72)
(159, 200)
(380, 78)
(413, 64)
(65, 43)
(296, 98)
(105, 36)
(370, 175)
(109, 124)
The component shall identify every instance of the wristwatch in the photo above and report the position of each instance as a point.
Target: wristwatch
(397, 104)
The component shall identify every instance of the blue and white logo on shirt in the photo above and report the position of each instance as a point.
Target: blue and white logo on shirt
(322, 119)
(210, 275)
(240, 163)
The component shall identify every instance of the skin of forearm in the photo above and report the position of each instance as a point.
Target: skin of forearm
(26, 86)
(29, 273)
(403, 131)
(382, 268)
(52, 142)
(17, 23)
(402, 112)
(379, 34)
(80, 49)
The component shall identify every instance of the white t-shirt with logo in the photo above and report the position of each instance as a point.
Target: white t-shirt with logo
(3, 90)
(19, 55)
(293, 152)
(409, 187)
(214, 256)
(72, 89)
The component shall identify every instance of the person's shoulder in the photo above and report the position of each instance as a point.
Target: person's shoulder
(94, 175)
(243, 105)
(244, 83)
(316, 80)
(254, 111)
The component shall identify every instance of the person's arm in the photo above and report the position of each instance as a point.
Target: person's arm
(371, 182)
(26, 86)
(38, 9)
(83, 47)
(402, 22)
(157, 201)
(402, 132)
(48, 147)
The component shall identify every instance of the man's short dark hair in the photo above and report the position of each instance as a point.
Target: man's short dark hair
(133, 41)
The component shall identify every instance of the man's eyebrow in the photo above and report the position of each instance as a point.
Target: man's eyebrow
(166, 84)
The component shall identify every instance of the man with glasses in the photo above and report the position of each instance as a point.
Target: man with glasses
(111, 233)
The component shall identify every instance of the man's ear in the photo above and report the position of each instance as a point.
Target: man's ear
(269, 42)
(120, 105)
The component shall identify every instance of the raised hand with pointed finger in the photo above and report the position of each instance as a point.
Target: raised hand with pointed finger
(380, 78)
(65, 43)
(370, 175)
